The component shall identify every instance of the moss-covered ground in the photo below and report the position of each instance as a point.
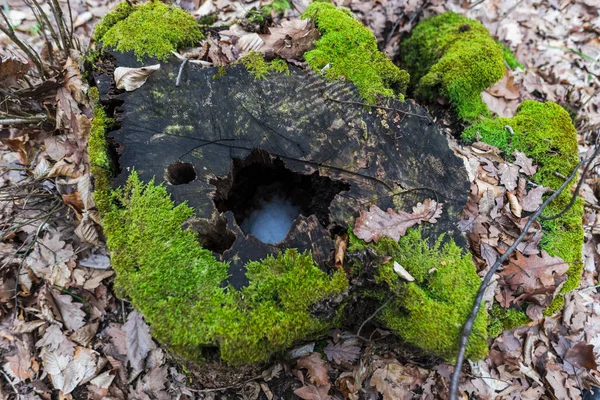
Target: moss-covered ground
(428, 313)
(348, 50)
(148, 29)
(544, 132)
(455, 57)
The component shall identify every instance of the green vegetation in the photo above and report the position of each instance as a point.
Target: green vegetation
(429, 313)
(97, 148)
(177, 285)
(455, 57)
(509, 58)
(149, 29)
(544, 132)
(256, 64)
(504, 319)
(349, 51)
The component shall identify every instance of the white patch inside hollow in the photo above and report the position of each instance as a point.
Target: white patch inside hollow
(271, 222)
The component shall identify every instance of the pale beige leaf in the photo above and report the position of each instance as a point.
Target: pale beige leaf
(84, 188)
(133, 78)
(403, 273)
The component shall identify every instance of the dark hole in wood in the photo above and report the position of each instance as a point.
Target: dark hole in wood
(261, 178)
(180, 173)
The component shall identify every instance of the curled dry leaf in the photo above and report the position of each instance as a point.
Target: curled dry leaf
(341, 244)
(133, 78)
(515, 207)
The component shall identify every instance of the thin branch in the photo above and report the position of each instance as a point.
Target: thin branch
(36, 119)
(60, 22)
(43, 20)
(468, 327)
(373, 315)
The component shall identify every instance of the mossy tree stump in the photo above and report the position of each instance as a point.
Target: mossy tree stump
(190, 162)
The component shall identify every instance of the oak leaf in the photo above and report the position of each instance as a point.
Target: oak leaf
(346, 351)
(316, 367)
(375, 224)
(525, 163)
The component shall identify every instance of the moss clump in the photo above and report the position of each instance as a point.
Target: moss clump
(504, 319)
(509, 58)
(350, 50)
(544, 132)
(455, 57)
(178, 286)
(150, 29)
(430, 312)
(97, 148)
(259, 68)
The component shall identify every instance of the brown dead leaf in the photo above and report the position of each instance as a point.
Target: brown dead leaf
(139, 340)
(21, 365)
(346, 351)
(533, 200)
(71, 312)
(291, 40)
(12, 69)
(582, 355)
(505, 87)
(375, 224)
(508, 175)
(395, 381)
(525, 163)
(341, 244)
(310, 392)
(532, 276)
(317, 368)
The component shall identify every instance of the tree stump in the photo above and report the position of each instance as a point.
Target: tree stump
(225, 143)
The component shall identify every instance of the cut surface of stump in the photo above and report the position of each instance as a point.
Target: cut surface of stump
(229, 145)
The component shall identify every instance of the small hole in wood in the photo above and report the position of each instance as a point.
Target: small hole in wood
(180, 173)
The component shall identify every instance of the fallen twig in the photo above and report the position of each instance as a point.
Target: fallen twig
(467, 328)
(23, 121)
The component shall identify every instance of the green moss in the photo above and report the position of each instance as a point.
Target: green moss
(429, 313)
(455, 57)
(149, 29)
(350, 51)
(178, 286)
(99, 159)
(256, 64)
(502, 319)
(544, 132)
(509, 58)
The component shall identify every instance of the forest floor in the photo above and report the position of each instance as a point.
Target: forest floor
(65, 334)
